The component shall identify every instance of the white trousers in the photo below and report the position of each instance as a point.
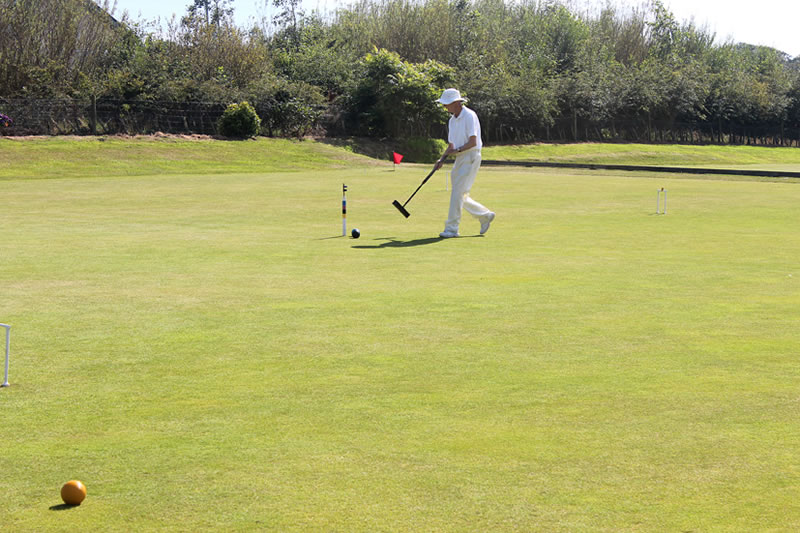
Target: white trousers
(462, 176)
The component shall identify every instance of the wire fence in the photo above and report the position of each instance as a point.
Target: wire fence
(102, 116)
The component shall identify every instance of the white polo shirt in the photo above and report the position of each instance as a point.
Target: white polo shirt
(461, 128)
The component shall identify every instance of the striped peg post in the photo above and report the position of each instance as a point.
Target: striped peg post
(344, 209)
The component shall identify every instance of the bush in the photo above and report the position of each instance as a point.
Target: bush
(288, 109)
(240, 121)
(422, 149)
(395, 98)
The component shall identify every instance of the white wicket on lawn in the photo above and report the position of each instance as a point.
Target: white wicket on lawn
(658, 201)
(8, 345)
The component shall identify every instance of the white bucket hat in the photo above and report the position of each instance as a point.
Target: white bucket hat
(449, 96)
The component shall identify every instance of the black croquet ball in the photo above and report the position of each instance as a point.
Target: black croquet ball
(355, 233)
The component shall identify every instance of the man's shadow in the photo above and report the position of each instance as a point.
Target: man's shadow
(394, 243)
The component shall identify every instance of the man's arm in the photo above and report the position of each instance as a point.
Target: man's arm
(471, 143)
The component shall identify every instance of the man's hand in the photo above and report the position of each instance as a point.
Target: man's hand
(450, 150)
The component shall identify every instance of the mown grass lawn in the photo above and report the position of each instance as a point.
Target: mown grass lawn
(204, 350)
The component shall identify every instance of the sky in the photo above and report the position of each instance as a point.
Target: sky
(245, 11)
(765, 22)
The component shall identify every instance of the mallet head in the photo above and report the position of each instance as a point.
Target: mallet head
(401, 209)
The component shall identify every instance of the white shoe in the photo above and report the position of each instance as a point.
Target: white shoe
(486, 221)
(448, 234)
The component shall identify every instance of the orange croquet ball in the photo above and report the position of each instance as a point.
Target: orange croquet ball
(73, 492)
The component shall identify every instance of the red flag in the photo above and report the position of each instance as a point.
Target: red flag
(397, 158)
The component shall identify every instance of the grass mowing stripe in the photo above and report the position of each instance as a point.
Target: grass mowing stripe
(708, 156)
(59, 157)
(50, 157)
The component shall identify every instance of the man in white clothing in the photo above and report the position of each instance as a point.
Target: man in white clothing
(464, 140)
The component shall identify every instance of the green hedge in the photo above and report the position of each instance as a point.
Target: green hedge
(240, 121)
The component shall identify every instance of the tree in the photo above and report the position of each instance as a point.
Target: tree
(397, 99)
(212, 12)
(53, 47)
(289, 18)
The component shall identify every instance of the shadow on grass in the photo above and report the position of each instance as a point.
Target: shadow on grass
(394, 243)
(63, 507)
